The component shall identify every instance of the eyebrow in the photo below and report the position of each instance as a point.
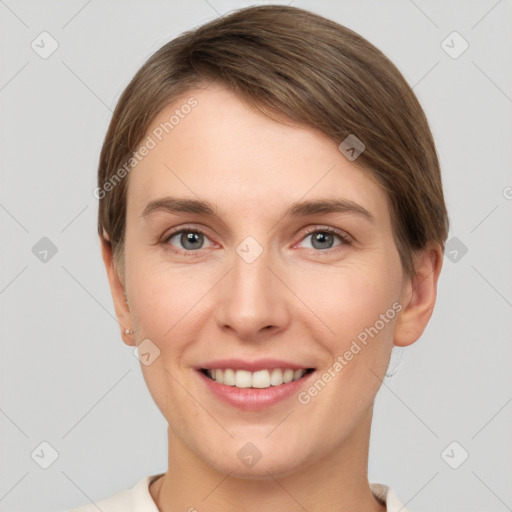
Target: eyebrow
(297, 209)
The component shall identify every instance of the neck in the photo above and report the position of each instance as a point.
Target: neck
(335, 482)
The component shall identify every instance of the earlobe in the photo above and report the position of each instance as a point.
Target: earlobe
(419, 297)
(117, 290)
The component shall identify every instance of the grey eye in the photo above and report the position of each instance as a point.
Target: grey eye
(188, 239)
(321, 240)
(191, 240)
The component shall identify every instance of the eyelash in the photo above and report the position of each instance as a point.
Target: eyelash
(346, 240)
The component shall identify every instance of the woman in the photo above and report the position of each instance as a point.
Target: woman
(272, 223)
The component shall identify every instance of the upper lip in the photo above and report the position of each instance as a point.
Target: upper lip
(251, 366)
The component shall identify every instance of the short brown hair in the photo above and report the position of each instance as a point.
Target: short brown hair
(289, 63)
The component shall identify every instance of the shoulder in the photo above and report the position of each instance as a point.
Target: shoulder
(386, 495)
(134, 499)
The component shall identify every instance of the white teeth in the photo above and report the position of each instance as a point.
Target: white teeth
(276, 377)
(229, 377)
(288, 375)
(243, 379)
(260, 379)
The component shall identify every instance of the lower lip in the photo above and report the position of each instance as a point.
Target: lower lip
(254, 399)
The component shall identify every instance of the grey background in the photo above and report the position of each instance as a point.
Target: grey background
(67, 378)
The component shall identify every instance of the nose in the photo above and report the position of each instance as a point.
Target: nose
(252, 302)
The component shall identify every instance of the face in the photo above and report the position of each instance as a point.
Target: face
(266, 280)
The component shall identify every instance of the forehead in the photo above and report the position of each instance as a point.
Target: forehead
(222, 151)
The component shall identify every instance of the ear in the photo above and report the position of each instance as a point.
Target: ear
(419, 296)
(117, 290)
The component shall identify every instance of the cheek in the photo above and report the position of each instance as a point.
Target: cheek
(357, 307)
(163, 300)
(163, 305)
(346, 300)
(167, 306)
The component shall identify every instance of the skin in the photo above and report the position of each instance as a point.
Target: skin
(294, 302)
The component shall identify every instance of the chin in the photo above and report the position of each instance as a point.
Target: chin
(246, 461)
(261, 470)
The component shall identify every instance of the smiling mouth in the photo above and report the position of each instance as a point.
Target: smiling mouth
(260, 379)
